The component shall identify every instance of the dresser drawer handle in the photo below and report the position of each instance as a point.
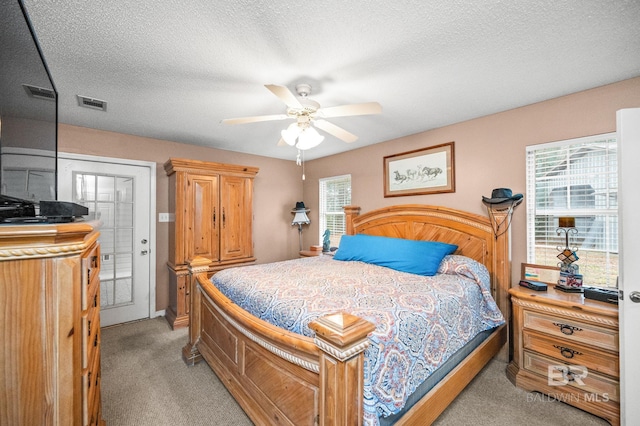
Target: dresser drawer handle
(566, 328)
(568, 375)
(567, 352)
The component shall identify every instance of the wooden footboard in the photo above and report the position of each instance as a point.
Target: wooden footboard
(282, 378)
(278, 377)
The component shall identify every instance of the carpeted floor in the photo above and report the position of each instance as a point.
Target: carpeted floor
(146, 383)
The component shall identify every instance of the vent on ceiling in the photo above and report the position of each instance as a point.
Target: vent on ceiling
(87, 102)
(39, 92)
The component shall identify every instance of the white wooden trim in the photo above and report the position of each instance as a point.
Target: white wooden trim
(628, 128)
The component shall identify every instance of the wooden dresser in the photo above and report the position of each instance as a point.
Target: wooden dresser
(50, 331)
(213, 206)
(567, 347)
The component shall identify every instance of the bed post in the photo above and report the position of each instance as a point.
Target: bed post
(502, 274)
(190, 353)
(350, 213)
(342, 338)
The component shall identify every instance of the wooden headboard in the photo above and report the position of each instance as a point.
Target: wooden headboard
(472, 233)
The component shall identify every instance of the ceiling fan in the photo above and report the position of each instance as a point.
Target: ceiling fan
(308, 114)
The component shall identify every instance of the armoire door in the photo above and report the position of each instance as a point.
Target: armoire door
(203, 217)
(236, 226)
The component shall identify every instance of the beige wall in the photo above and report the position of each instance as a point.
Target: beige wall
(489, 153)
(277, 187)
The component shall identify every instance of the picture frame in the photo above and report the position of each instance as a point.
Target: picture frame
(422, 171)
(542, 273)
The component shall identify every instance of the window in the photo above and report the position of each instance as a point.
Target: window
(575, 178)
(335, 193)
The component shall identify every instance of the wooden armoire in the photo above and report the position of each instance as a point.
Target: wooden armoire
(50, 332)
(213, 206)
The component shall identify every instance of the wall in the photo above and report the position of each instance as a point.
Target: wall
(489, 153)
(276, 189)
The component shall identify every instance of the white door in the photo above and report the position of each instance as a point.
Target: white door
(119, 195)
(629, 240)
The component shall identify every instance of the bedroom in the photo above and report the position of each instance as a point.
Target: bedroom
(496, 141)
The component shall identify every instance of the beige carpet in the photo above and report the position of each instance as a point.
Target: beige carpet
(146, 383)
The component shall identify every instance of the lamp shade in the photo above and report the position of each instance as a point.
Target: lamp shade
(300, 214)
(300, 218)
(290, 134)
(309, 138)
(567, 222)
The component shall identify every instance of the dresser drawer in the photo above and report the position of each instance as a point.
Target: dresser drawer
(90, 334)
(571, 378)
(91, 389)
(90, 276)
(571, 330)
(94, 407)
(565, 351)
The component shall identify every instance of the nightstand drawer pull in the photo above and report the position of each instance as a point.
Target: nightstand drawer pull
(568, 375)
(567, 352)
(566, 328)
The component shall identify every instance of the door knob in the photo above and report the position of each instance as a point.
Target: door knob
(635, 296)
(144, 252)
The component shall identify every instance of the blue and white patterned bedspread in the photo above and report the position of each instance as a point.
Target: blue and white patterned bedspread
(420, 321)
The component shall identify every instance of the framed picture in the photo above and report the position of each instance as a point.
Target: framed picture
(542, 273)
(423, 171)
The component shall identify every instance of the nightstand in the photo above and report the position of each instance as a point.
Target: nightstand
(566, 347)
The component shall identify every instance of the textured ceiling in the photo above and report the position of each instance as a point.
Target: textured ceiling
(173, 69)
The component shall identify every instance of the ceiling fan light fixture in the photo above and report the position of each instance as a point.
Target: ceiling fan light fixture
(305, 112)
(291, 133)
(309, 138)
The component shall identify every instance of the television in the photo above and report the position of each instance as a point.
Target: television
(28, 114)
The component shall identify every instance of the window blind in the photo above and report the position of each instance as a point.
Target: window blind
(335, 193)
(575, 178)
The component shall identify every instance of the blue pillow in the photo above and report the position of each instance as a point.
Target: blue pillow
(415, 257)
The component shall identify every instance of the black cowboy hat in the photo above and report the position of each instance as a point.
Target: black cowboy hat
(300, 206)
(502, 196)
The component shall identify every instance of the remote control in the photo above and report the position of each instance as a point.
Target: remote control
(533, 285)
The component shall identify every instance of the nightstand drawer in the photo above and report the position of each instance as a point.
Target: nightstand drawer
(565, 351)
(572, 378)
(571, 330)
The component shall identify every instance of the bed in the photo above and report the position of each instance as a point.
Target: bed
(286, 378)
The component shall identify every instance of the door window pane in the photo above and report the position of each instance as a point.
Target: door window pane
(85, 187)
(106, 241)
(125, 240)
(124, 291)
(106, 188)
(124, 214)
(124, 189)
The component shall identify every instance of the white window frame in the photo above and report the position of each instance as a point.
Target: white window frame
(598, 259)
(324, 213)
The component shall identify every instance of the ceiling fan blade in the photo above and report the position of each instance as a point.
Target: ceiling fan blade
(256, 119)
(285, 95)
(353, 109)
(336, 131)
